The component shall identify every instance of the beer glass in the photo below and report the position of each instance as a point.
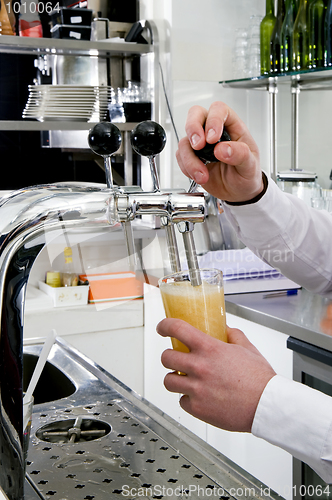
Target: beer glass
(201, 306)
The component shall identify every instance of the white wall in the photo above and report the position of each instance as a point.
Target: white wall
(315, 126)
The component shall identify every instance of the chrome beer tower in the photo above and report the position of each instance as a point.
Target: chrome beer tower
(27, 216)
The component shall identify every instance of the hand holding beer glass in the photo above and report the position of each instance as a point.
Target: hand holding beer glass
(201, 306)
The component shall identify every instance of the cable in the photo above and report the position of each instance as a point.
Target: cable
(167, 102)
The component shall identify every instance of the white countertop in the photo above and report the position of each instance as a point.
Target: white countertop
(40, 316)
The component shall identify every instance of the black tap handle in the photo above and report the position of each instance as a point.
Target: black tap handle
(206, 154)
(104, 139)
(148, 138)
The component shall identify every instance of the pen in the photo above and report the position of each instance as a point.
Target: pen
(283, 293)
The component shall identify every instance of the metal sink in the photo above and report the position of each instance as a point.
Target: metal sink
(139, 450)
(53, 384)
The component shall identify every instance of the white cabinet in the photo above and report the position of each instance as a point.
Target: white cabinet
(266, 462)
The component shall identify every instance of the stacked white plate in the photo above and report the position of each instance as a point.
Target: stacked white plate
(67, 102)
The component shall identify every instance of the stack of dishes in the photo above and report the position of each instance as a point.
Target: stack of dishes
(67, 102)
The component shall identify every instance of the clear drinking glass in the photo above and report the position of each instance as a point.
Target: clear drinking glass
(240, 54)
(202, 306)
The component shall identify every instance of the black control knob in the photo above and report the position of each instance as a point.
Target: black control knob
(206, 154)
(104, 139)
(148, 138)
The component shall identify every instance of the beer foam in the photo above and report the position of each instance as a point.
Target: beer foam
(186, 288)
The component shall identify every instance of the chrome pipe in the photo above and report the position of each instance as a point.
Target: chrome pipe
(26, 216)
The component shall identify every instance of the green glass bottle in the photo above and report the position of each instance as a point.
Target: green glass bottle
(266, 29)
(301, 38)
(287, 36)
(275, 42)
(316, 33)
(328, 35)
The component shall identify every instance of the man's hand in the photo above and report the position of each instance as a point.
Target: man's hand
(223, 381)
(237, 177)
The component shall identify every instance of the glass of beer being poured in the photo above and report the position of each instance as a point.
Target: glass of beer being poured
(202, 306)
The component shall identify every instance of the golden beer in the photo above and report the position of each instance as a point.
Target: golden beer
(201, 306)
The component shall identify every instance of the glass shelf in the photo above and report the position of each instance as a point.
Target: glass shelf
(39, 46)
(311, 79)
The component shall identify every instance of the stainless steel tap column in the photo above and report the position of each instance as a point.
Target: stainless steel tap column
(105, 140)
(273, 90)
(149, 139)
(26, 216)
(295, 92)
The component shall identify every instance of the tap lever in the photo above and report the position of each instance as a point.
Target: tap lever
(148, 139)
(186, 228)
(105, 140)
(192, 187)
(172, 245)
(206, 154)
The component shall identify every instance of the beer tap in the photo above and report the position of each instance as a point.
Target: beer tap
(184, 209)
(148, 139)
(206, 155)
(105, 139)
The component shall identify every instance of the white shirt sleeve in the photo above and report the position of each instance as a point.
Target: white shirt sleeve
(289, 235)
(286, 412)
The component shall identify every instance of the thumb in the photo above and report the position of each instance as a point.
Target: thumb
(236, 336)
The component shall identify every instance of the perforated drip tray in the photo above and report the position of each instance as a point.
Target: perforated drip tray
(106, 442)
(130, 458)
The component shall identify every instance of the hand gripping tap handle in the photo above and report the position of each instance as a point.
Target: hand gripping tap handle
(105, 140)
(206, 155)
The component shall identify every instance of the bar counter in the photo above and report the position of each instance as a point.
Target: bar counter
(299, 316)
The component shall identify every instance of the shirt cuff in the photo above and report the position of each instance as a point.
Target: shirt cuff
(253, 200)
(298, 419)
(263, 212)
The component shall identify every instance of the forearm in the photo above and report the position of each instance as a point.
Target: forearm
(289, 235)
(298, 419)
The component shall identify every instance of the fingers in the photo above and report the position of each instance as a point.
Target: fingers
(220, 116)
(213, 122)
(174, 360)
(236, 336)
(174, 382)
(191, 337)
(194, 126)
(190, 164)
(236, 154)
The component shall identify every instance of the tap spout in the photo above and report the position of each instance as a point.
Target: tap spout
(175, 207)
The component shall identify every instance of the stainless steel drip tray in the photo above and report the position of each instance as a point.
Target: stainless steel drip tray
(105, 441)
